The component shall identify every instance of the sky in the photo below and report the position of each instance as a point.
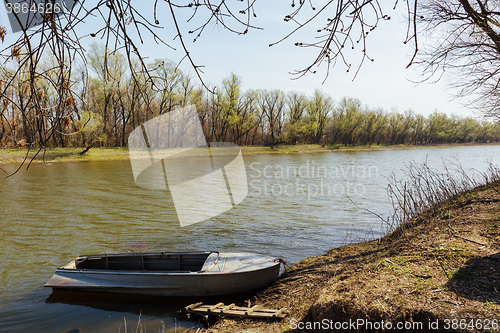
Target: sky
(383, 83)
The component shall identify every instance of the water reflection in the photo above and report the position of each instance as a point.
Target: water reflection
(137, 305)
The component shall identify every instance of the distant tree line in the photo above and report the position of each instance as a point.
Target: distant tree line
(104, 105)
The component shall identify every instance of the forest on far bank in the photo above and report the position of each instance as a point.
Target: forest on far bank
(103, 105)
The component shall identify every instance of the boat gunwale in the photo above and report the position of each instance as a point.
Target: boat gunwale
(163, 273)
(146, 254)
(264, 265)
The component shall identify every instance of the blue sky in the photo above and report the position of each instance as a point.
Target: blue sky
(384, 83)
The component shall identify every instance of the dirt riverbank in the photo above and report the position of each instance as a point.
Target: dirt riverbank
(443, 268)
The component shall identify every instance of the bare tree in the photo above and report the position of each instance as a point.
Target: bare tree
(467, 45)
(119, 24)
(469, 40)
(272, 106)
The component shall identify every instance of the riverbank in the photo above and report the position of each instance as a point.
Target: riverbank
(443, 268)
(51, 155)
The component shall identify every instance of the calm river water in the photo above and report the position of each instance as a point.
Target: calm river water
(298, 205)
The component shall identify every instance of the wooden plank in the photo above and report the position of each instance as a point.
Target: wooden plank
(212, 308)
(229, 307)
(193, 306)
(252, 309)
(235, 311)
(278, 313)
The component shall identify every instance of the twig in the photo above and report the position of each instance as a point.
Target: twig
(449, 278)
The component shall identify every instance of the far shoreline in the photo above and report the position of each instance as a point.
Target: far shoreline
(71, 154)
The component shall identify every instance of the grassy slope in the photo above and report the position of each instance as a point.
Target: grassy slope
(442, 266)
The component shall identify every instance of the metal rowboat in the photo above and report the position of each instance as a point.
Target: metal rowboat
(167, 273)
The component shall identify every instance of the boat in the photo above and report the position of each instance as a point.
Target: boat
(168, 273)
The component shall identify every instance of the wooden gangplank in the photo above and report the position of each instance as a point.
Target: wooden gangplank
(231, 310)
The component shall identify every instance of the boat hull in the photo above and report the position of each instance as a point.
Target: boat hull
(231, 273)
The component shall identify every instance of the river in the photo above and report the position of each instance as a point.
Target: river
(298, 205)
